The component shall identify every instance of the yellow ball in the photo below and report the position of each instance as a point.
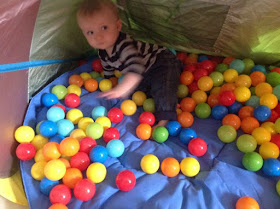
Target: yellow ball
(149, 164)
(230, 75)
(215, 90)
(104, 121)
(105, 85)
(261, 135)
(78, 134)
(39, 141)
(75, 89)
(55, 170)
(263, 88)
(242, 94)
(199, 96)
(190, 166)
(74, 115)
(128, 107)
(24, 134)
(117, 73)
(37, 170)
(85, 76)
(269, 100)
(96, 172)
(139, 97)
(39, 156)
(269, 150)
(243, 80)
(269, 126)
(84, 122)
(205, 83)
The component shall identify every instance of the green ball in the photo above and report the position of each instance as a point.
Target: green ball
(278, 187)
(95, 74)
(203, 110)
(252, 161)
(182, 91)
(249, 64)
(246, 143)
(160, 134)
(273, 78)
(149, 105)
(218, 78)
(277, 125)
(276, 92)
(238, 65)
(227, 133)
(60, 91)
(94, 130)
(221, 67)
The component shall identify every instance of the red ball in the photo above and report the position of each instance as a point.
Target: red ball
(86, 144)
(147, 117)
(80, 161)
(97, 66)
(61, 106)
(111, 133)
(84, 190)
(197, 74)
(60, 194)
(197, 147)
(193, 87)
(182, 56)
(274, 116)
(72, 100)
(25, 151)
(276, 139)
(208, 65)
(125, 180)
(277, 108)
(276, 69)
(115, 115)
(226, 98)
(190, 68)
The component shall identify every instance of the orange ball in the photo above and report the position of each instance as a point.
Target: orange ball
(185, 119)
(58, 206)
(246, 111)
(187, 104)
(248, 124)
(91, 85)
(228, 60)
(69, 146)
(263, 88)
(144, 131)
(247, 203)
(199, 96)
(51, 151)
(71, 177)
(186, 78)
(205, 83)
(257, 77)
(232, 120)
(213, 100)
(170, 167)
(191, 60)
(228, 87)
(66, 162)
(76, 79)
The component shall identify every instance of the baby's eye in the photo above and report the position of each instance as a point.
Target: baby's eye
(90, 32)
(104, 27)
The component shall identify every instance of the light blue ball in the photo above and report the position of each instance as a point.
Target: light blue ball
(55, 114)
(254, 101)
(65, 127)
(115, 148)
(98, 111)
(238, 65)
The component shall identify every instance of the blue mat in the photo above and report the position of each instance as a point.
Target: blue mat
(221, 181)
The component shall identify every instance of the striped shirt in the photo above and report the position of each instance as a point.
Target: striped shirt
(129, 55)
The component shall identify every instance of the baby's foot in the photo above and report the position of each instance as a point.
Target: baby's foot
(161, 123)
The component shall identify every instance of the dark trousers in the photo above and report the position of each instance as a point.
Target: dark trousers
(161, 83)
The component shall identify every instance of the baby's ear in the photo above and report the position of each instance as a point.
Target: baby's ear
(119, 25)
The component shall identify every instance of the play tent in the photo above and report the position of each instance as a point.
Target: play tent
(40, 40)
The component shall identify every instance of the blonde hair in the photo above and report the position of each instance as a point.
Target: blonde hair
(90, 7)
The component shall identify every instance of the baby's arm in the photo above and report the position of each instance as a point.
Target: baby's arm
(128, 84)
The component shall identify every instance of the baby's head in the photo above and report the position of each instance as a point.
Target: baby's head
(100, 23)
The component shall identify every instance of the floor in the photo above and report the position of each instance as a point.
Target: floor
(6, 204)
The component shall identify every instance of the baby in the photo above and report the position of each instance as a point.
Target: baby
(146, 67)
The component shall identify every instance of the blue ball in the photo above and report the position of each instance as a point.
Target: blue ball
(174, 128)
(115, 148)
(48, 128)
(238, 65)
(254, 101)
(271, 167)
(98, 154)
(46, 185)
(55, 114)
(65, 127)
(260, 68)
(187, 134)
(235, 107)
(98, 111)
(262, 113)
(219, 112)
(202, 58)
(49, 99)
(56, 138)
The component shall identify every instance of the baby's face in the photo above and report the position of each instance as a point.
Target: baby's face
(101, 29)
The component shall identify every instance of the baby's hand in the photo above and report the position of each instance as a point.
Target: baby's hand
(114, 93)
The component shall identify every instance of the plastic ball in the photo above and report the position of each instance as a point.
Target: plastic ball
(235, 107)
(227, 87)
(193, 87)
(55, 170)
(39, 141)
(149, 105)
(149, 163)
(85, 76)
(242, 94)
(84, 122)
(249, 64)
(51, 150)
(271, 167)
(227, 133)
(246, 143)
(247, 203)
(95, 130)
(238, 65)
(205, 83)
(219, 112)
(199, 73)
(170, 167)
(144, 131)
(262, 113)
(245, 111)
(97, 66)
(46, 185)
(96, 172)
(185, 119)
(261, 135)
(263, 88)
(49, 99)
(252, 161)
(190, 166)
(230, 75)
(269, 100)
(98, 111)
(187, 134)
(139, 97)
(232, 120)
(186, 77)
(25, 151)
(74, 115)
(248, 124)
(111, 133)
(278, 187)
(260, 68)
(84, 190)
(76, 79)
(91, 85)
(254, 101)
(65, 127)
(270, 127)
(105, 85)
(69, 146)
(203, 110)
(72, 177)
(188, 104)
(86, 144)
(269, 150)
(104, 122)
(221, 68)
(226, 98)
(58, 206)
(213, 100)
(60, 91)
(24, 134)
(80, 160)
(60, 194)
(115, 115)
(115, 148)
(273, 78)
(173, 127)
(199, 96)
(147, 117)
(160, 134)
(128, 107)
(72, 100)
(197, 147)
(48, 128)
(98, 154)
(55, 114)
(182, 91)
(74, 89)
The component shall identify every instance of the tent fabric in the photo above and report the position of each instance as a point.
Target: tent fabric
(221, 181)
